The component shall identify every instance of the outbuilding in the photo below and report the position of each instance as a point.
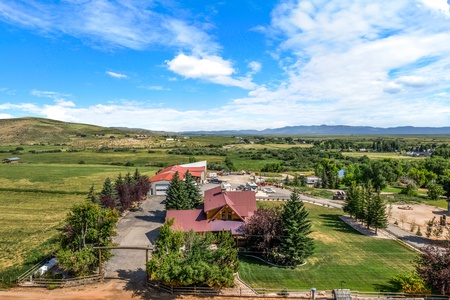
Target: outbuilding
(11, 160)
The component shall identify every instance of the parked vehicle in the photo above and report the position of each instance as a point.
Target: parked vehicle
(269, 190)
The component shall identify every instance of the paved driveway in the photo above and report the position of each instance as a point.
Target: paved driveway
(136, 229)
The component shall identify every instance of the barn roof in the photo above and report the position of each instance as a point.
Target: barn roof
(167, 173)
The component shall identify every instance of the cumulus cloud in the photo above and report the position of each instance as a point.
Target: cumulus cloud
(210, 68)
(116, 75)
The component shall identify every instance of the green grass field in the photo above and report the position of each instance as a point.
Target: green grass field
(342, 254)
(34, 200)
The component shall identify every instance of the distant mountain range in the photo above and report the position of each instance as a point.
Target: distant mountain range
(40, 130)
(330, 130)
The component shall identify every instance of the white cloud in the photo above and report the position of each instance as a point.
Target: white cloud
(116, 75)
(101, 23)
(440, 6)
(210, 68)
(48, 94)
(154, 88)
(6, 116)
(194, 67)
(255, 66)
(413, 81)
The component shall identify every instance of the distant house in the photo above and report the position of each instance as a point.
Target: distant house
(160, 182)
(312, 180)
(11, 160)
(222, 210)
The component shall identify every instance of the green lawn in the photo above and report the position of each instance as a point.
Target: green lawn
(342, 254)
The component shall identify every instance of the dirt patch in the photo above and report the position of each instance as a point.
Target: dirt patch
(413, 216)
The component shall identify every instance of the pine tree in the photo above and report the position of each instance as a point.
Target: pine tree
(192, 191)
(296, 246)
(176, 194)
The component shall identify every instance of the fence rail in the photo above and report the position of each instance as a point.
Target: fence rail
(64, 282)
(30, 272)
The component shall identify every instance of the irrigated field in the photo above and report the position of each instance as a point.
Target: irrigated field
(34, 200)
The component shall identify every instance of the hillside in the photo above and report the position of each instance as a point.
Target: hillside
(30, 130)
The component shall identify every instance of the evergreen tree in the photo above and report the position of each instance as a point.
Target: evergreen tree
(352, 200)
(136, 175)
(192, 191)
(296, 246)
(377, 212)
(176, 195)
(92, 197)
(108, 195)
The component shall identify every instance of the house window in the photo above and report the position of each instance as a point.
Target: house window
(229, 215)
(223, 216)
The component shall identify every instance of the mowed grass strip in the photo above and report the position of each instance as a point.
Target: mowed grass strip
(342, 254)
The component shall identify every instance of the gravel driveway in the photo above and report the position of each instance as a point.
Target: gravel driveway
(136, 229)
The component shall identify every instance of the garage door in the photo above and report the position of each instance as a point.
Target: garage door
(161, 189)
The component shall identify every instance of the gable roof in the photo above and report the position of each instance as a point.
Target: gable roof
(243, 203)
(167, 173)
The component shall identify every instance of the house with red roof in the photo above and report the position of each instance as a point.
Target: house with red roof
(222, 210)
(160, 182)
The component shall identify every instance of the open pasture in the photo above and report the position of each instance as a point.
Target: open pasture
(342, 255)
(34, 200)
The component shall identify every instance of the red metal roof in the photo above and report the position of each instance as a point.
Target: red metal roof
(167, 173)
(243, 203)
(186, 220)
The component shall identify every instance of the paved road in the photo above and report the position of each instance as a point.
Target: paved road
(138, 229)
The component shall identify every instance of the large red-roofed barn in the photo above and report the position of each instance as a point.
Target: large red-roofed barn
(160, 182)
(222, 210)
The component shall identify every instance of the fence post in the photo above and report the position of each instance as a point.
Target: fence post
(100, 267)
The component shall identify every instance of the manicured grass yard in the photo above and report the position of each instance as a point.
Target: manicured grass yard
(342, 254)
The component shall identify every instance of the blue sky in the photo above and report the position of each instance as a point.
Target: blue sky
(205, 65)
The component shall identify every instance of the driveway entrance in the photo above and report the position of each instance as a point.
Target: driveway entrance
(136, 229)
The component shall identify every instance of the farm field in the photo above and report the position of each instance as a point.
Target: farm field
(34, 200)
(36, 194)
(342, 254)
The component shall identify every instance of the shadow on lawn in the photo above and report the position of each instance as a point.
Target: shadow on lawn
(333, 221)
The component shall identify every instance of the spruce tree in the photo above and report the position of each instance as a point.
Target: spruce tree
(192, 191)
(176, 194)
(108, 197)
(351, 202)
(378, 212)
(296, 246)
